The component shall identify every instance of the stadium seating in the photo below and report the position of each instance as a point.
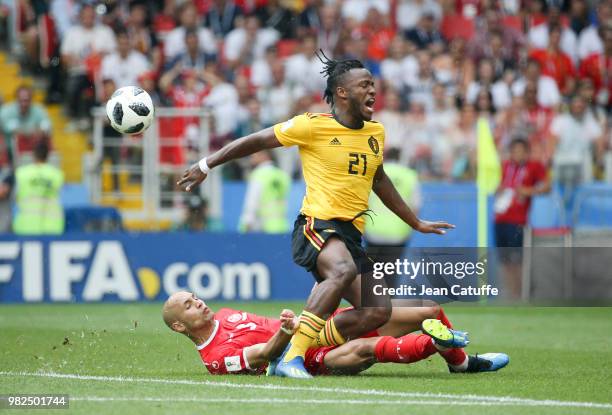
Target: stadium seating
(75, 195)
(547, 211)
(593, 206)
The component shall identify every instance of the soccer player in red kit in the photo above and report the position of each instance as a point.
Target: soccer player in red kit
(237, 342)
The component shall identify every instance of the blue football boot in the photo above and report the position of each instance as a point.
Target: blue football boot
(488, 362)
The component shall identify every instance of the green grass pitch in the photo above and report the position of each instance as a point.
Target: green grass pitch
(121, 359)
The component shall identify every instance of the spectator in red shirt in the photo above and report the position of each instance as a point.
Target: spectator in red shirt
(377, 29)
(598, 68)
(185, 89)
(555, 63)
(521, 180)
(164, 22)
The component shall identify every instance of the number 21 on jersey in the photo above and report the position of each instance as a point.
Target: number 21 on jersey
(355, 160)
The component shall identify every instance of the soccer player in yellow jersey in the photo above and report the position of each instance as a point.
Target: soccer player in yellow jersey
(342, 159)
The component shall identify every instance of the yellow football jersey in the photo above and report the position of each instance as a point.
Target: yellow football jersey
(338, 163)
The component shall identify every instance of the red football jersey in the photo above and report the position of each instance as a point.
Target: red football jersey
(223, 352)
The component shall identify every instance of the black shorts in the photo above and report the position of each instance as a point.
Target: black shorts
(508, 235)
(310, 234)
(509, 241)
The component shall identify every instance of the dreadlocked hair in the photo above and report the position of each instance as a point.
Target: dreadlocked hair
(333, 71)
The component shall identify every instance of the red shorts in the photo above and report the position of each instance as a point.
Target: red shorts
(313, 361)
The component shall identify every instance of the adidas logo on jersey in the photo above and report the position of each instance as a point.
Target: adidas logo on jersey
(335, 142)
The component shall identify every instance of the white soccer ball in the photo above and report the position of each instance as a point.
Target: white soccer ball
(130, 110)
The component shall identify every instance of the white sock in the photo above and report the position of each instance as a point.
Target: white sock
(462, 367)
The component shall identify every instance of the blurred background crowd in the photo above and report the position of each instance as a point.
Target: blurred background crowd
(537, 70)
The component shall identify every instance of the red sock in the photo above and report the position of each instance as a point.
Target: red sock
(407, 349)
(442, 317)
(452, 356)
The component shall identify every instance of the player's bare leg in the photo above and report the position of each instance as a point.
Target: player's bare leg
(352, 357)
(358, 321)
(337, 270)
(406, 320)
(359, 354)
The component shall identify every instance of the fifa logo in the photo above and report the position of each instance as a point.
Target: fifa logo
(92, 271)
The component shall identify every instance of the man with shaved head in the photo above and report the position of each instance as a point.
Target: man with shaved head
(237, 342)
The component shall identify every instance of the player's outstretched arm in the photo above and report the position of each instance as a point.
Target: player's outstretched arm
(261, 354)
(245, 146)
(385, 190)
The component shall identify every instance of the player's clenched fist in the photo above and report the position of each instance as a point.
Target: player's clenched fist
(289, 320)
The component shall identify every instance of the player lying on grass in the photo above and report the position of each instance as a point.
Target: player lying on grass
(237, 342)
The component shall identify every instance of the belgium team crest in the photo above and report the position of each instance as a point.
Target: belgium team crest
(373, 144)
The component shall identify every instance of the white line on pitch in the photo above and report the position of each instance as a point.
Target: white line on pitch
(499, 400)
(276, 401)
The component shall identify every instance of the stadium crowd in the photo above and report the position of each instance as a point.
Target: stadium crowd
(536, 69)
